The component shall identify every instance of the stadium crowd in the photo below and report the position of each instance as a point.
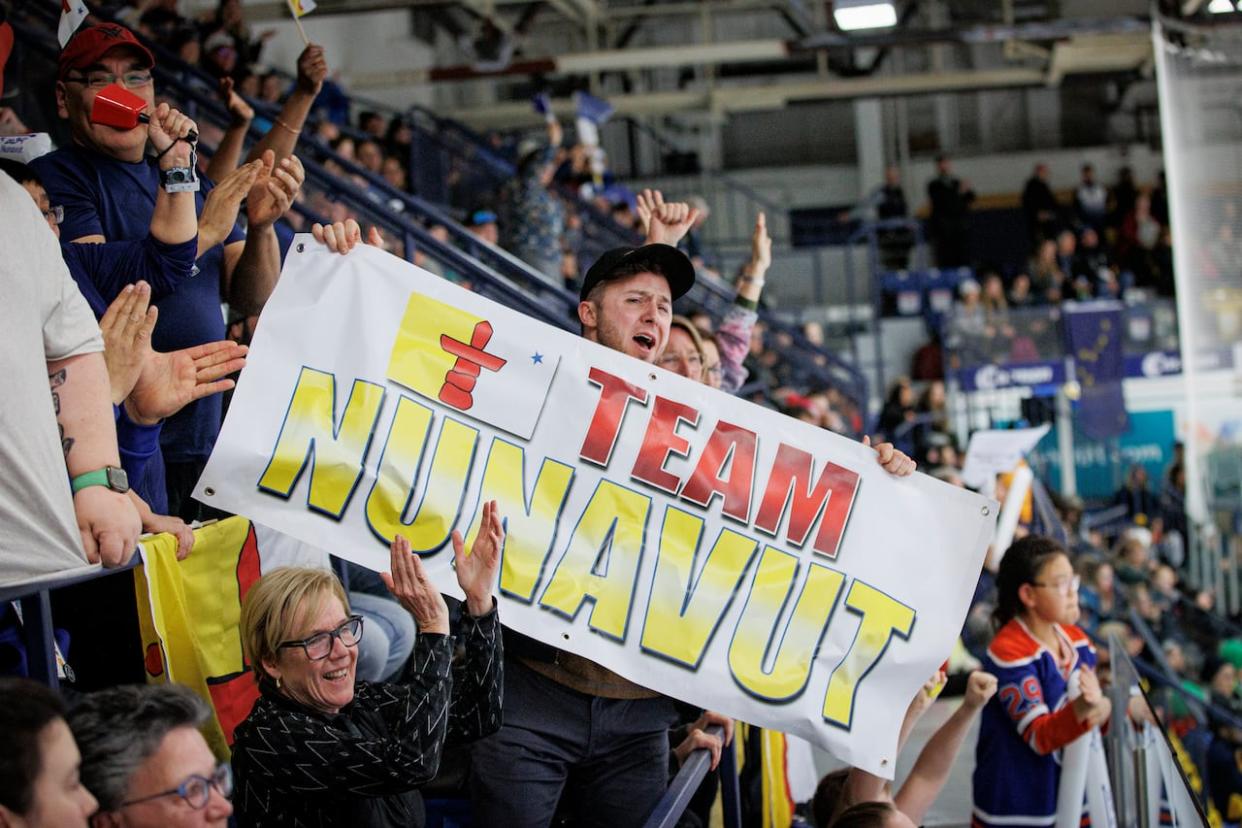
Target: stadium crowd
(121, 300)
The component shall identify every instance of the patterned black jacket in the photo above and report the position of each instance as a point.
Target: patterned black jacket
(362, 767)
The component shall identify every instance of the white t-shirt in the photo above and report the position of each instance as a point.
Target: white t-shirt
(43, 317)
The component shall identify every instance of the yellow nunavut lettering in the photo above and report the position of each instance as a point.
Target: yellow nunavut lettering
(882, 617)
(684, 612)
(530, 524)
(602, 560)
(335, 450)
(757, 632)
(398, 475)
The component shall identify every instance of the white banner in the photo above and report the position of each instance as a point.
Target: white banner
(697, 544)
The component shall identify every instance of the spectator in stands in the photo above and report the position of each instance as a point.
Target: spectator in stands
(1137, 239)
(897, 415)
(995, 304)
(1140, 502)
(969, 321)
(145, 761)
(1221, 679)
(566, 717)
(1039, 206)
(482, 224)
(52, 338)
(724, 351)
(107, 187)
(683, 354)
(1090, 201)
(1067, 249)
(1122, 196)
(910, 804)
(146, 387)
(733, 335)
(395, 174)
(39, 784)
(372, 123)
(229, 21)
(320, 748)
(1133, 562)
(1224, 768)
(1035, 651)
(220, 56)
(229, 149)
(370, 156)
(533, 216)
(886, 203)
(1097, 596)
(1047, 278)
(950, 206)
(1092, 260)
(1020, 292)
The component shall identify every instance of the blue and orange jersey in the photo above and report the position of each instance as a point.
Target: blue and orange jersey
(1024, 726)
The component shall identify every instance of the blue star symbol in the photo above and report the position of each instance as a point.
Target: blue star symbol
(537, 359)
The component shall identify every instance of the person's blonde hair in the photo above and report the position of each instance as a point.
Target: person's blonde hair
(279, 600)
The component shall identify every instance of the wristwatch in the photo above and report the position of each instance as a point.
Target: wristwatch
(111, 477)
(179, 180)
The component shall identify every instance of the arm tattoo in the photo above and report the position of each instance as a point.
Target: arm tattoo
(56, 380)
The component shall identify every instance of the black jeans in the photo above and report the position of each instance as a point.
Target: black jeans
(603, 761)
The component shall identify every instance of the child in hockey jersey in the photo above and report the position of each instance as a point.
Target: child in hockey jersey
(1036, 650)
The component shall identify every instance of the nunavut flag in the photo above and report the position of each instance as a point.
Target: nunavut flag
(449, 355)
(301, 8)
(72, 13)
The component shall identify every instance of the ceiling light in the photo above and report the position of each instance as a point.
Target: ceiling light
(1221, 6)
(868, 14)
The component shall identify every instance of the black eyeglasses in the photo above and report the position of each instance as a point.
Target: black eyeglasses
(100, 79)
(319, 646)
(54, 215)
(196, 789)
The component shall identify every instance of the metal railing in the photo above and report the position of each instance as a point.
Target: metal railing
(677, 798)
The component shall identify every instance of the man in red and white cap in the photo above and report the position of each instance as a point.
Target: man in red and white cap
(106, 180)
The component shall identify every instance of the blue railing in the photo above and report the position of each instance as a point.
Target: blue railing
(677, 798)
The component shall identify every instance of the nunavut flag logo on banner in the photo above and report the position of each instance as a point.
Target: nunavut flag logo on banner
(449, 355)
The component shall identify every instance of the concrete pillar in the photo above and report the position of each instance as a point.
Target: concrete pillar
(869, 138)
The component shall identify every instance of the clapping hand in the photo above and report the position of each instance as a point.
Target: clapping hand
(412, 587)
(274, 189)
(476, 570)
(171, 381)
(126, 327)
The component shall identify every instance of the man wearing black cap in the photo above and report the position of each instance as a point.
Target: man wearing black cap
(565, 714)
(626, 300)
(106, 183)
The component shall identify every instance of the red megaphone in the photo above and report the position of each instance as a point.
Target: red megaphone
(116, 106)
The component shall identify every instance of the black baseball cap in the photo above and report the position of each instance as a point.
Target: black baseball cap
(668, 260)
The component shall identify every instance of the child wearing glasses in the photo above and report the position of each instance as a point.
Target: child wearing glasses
(1036, 651)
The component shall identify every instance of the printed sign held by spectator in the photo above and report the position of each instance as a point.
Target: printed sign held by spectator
(708, 548)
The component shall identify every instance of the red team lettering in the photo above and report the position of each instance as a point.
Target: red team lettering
(792, 487)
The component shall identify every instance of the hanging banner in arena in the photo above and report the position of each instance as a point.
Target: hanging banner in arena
(702, 546)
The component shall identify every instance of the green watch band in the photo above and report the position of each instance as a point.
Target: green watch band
(110, 477)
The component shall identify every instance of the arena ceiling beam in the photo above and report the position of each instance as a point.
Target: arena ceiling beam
(731, 99)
